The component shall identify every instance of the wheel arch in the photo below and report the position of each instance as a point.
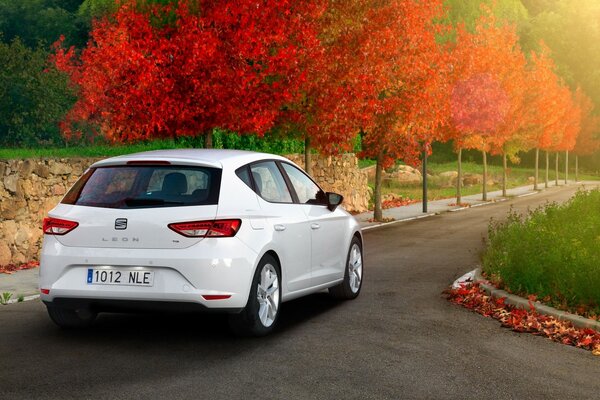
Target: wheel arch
(358, 234)
(273, 254)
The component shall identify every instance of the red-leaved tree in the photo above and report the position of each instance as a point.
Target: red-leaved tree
(399, 83)
(171, 70)
(487, 101)
(326, 114)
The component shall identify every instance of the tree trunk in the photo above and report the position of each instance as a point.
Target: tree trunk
(547, 168)
(484, 197)
(576, 168)
(537, 169)
(378, 213)
(567, 167)
(424, 200)
(504, 174)
(307, 156)
(556, 170)
(459, 178)
(208, 140)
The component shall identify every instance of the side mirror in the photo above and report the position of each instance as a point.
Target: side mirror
(334, 200)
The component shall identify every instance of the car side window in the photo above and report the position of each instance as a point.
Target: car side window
(308, 192)
(269, 182)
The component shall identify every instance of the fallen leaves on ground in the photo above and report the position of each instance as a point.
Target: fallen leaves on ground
(385, 219)
(397, 201)
(473, 297)
(10, 268)
(459, 205)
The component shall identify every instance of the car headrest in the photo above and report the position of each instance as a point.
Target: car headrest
(175, 183)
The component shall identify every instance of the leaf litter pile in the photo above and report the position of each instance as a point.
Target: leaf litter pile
(473, 297)
(10, 268)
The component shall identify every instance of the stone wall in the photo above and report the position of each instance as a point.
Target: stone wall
(340, 174)
(30, 188)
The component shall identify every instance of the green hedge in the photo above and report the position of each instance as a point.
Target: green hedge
(221, 140)
(554, 252)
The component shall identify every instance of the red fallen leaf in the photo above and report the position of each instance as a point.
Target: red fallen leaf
(586, 341)
(532, 297)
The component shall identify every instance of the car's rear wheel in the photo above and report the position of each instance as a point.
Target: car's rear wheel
(262, 310)
(350, 287)
(69, 318)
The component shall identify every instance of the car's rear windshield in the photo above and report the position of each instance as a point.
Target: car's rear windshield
(146, 186)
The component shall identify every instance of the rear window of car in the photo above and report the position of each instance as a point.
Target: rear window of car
(146, 186)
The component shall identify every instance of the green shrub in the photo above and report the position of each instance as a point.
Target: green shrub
(554, 252)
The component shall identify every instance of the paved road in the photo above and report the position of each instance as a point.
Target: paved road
(399, 339)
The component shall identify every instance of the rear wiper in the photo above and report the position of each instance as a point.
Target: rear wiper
(132, 202)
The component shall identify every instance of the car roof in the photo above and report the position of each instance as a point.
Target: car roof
(217, 158)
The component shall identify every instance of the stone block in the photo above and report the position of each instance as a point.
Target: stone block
(58, 190)
(26, 168)
(60, 168)
(27, 188)
(22, 237)
(42, 170)
(11, 183)
(5, 254)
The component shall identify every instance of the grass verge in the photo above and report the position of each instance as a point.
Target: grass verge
(439, 189)
(552, 253)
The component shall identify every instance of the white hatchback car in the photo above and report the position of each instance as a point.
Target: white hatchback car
(233, 231)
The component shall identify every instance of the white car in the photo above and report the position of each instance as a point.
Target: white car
(232, 231)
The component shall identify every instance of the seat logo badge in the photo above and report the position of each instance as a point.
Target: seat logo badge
(121, 224)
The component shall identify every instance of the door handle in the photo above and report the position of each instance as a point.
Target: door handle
(279, 228)
(315, 226)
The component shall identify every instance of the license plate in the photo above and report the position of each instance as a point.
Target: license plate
(125, 277)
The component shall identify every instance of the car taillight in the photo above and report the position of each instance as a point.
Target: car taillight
(200, 229)
(56, 226)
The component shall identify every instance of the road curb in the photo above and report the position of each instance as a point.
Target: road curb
(431, 214)
(380, 225)
(519, 302)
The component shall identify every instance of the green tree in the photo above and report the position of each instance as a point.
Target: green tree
(41, 21)
(34, 96)
(468, 12)
(571, 31)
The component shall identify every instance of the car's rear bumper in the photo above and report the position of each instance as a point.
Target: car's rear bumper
(213, 267)
(109, 305)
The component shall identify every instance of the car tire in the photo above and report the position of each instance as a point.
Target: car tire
(261, 313)
(69, 318)
(350, 287)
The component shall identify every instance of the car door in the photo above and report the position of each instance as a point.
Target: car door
(327, 227)
(286, 222)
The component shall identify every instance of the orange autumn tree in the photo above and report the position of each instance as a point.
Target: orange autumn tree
(399, 83)
(570, 127)
(488, 90)
(550, 110)
(546, 96)
(588, 140)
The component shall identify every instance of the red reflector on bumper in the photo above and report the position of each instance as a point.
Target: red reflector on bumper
(45, 291)
(216, 296)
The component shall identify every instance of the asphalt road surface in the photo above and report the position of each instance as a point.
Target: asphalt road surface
(399, 339)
